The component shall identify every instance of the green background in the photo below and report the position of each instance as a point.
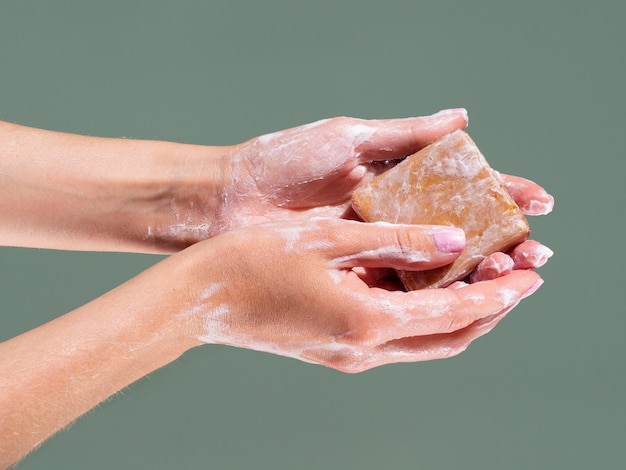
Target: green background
(544, 84)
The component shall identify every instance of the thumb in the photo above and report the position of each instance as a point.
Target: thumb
(392, 139)
(398, 246)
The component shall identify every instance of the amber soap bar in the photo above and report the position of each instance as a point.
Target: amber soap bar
(446, 183)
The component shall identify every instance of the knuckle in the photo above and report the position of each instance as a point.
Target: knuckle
(335, 230)
(340, 121)
(455, 320)
(361, 335)
(405, 240)
(357, 326)
(468, 304)
(417, 135)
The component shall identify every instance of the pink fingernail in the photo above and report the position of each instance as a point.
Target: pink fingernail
(533, 289)
(543, 253)
(532, 257)
(449, 239)
(543, 205)
(454, 111)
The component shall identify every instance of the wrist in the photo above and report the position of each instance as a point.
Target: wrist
(68, 191)
(180, 198)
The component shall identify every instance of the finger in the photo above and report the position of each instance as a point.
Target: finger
(493, 266)
(410, 349)
(392, 139)
(399, 246)
(530, 255)
(435, 311)
(438, 346)
(531, 198)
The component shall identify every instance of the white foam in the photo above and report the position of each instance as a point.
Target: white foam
(535, 207)
(293, 234)
(462, 164)
(507, 297)
(393, 252)
(200, 231)
(358, 134)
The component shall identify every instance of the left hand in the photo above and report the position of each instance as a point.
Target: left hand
(312, 170)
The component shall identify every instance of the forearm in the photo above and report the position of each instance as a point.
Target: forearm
(67, 191)
(51, 375)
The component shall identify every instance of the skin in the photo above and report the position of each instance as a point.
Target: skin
(341, 320)
(262, 260)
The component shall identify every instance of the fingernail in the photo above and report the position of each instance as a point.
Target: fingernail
(542, 205)
(543, 254)
(454, 111)
(533, 289)
(531, 255)
(449, 239)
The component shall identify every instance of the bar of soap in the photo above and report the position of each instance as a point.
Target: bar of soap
(446, 183)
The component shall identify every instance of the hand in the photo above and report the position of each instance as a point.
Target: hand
(312, 170)
(88, 193)
(307, 171)
(293, 288)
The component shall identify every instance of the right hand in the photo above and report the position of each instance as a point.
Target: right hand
(295, 288)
